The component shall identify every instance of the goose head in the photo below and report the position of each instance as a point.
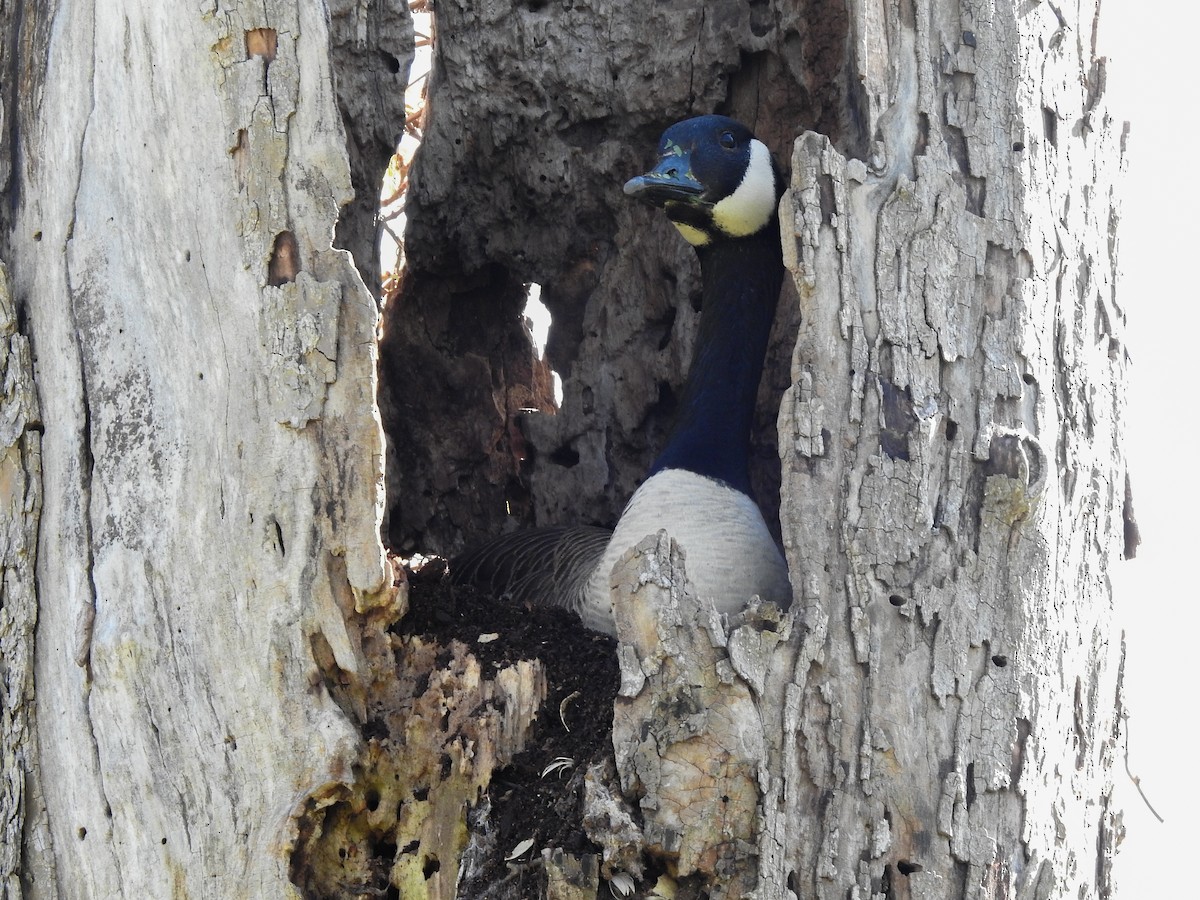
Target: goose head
(714, 179)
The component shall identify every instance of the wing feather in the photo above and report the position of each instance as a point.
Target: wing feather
(540, 566)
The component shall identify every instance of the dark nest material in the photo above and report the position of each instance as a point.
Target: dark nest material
(539, 797)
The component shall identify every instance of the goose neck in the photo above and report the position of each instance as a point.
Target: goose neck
(741, 281)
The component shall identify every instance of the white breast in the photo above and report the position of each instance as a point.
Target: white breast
(731, 555)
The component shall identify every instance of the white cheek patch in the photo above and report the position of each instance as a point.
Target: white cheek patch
(749, 207)
(692, 235)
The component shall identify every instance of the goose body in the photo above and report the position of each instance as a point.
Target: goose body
(731, 555)
(718, 186)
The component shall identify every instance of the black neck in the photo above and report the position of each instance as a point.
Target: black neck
(741, 280)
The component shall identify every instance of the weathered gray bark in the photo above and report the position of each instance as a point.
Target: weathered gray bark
(954, 481)
(211, 459)
(20, 501)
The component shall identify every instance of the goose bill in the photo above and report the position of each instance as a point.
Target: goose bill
(664, 183)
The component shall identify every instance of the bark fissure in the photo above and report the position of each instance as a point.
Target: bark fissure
(22, 816)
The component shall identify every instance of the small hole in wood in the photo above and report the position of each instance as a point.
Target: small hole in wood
(897, 600)
(372, 800)
(907, 868)
(261, 42)
(1050, 125)
(430, 866)
(1000, 661)
(285, 259)
(82, 832)
(391, 63)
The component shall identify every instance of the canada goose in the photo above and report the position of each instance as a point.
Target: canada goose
(719, 186)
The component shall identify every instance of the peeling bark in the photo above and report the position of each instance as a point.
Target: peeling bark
(954, 482)
(689, 741)
(21, 806)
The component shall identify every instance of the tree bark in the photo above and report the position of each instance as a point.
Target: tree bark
(210, 463)
(20, 490)
(954, 485)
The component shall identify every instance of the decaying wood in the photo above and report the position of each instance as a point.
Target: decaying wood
(211, 457)
(689, 741)
(538, 113)
(439, 730)
(22, 814)
(372, 46)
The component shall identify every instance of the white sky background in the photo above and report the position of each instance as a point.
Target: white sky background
(1152, 82)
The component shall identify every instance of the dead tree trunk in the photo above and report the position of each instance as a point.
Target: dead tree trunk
(202, 472)
(954, 482)
(190, 458)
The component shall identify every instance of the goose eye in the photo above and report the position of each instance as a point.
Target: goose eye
(728, 141)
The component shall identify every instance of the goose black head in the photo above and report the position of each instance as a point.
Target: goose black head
(714, 179)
